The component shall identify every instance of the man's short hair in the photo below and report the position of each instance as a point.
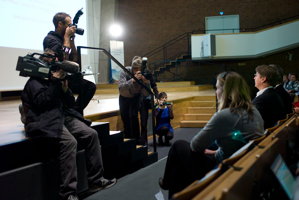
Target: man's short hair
(270, 72)
(280, 73)
(59, 17)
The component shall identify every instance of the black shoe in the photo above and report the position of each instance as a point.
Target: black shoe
(21, 110)
(103, 184)
(160, 141)
(167, 143)
(162, 184)
(72, 197)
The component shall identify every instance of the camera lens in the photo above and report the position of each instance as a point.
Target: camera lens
(80, 31)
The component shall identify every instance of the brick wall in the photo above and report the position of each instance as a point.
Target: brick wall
(149, 24)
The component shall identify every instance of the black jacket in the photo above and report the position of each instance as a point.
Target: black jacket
(54, 42)
(270, 106)
(286, 98)
(45, 105)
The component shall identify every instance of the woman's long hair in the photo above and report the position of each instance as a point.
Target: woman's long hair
(236, 92)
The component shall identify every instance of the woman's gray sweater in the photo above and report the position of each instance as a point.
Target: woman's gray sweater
(230, 131)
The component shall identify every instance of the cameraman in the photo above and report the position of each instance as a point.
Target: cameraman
(48, 106)
(145, 100)
(62, 42)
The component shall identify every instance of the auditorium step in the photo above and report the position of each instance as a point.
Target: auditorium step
(180, 86)
(193, 123)
(199, 110)
(203, 110)
(121, 155)
(203, 117)
(28, 159)
(203, 103)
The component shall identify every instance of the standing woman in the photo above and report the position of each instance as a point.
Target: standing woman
(236, 122)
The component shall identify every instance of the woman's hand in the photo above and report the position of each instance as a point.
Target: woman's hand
(209, 152)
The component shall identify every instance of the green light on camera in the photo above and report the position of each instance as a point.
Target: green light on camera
(237, 135)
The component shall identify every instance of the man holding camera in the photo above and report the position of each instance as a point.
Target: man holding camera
(131, 100)
(48, 106)
(62, 42)
(146, 100)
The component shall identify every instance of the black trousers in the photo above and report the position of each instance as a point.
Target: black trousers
(184, 166)
(85, 90)
(164, 131)
(76, 133)
(128, 108)
(144, 106)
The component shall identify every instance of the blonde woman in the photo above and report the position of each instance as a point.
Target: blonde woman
(236, 122)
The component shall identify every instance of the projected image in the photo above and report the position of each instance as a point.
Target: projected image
(26, 23)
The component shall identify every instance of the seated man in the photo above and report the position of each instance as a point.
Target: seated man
(285, 97)
(48, 107)
(292, 86)
(267, 101)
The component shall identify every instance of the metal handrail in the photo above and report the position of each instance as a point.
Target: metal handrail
(164, 47)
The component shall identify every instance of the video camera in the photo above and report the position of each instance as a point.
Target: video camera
(144, 71)
(79, 31)
(35, 67)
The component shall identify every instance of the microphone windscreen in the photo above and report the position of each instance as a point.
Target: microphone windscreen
(68, 66)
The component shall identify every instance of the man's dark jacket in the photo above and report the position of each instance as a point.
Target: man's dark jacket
(286, 98)
(45, 105)
(54, 42)
(270, 106)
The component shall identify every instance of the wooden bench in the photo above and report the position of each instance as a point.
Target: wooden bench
(217, 183)
(199, 185)
(243, 184)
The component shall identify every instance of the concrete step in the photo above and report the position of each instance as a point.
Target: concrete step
(107, 86)
(202, 103)
(204, 98)
(107, 91)
(180, 88)
(193, 123)
(201, 110)
(102, 128)
(140, 153)
(151, 158)
(201, 117)
(177, 83)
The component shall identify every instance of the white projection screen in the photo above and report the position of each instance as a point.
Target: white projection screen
(24, 24)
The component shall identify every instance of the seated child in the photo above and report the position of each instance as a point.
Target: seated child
(163, 113)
